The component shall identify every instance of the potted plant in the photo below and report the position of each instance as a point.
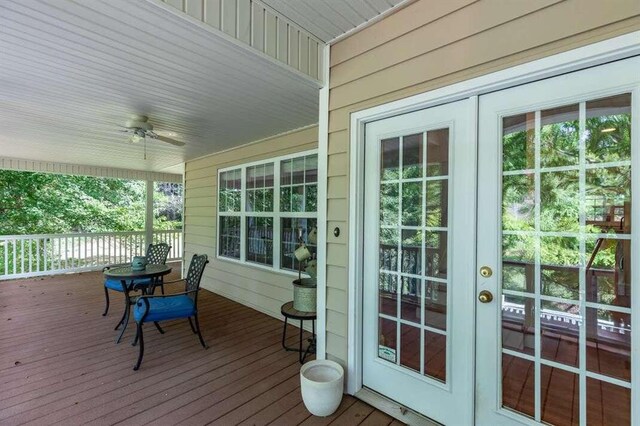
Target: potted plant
(305, 289)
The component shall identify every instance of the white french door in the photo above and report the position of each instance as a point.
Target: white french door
(558, 174)
(418, 261)
(522, 309)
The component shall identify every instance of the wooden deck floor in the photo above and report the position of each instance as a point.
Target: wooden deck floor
(59, 364)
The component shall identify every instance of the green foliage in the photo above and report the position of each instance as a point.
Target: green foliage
(43, 203)
(607, 139)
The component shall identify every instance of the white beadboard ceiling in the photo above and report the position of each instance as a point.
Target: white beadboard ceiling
(71, 72)
(328, 19)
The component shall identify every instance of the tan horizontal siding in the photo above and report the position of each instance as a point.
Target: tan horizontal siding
(337, 347)
(338, 164)
(201, 202)
(471, 20)
(565, 19)
(336, 277)
(337, 209)
(336, 323)
(338, 186)
(337, 299)
(258, 288)
(337, 141)
(344, 231)
(428, 45)
(401, 22)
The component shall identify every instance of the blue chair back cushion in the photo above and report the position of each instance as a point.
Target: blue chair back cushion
(165, 308)
(116, 285)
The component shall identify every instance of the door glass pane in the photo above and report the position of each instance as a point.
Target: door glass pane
(518, 203)
(560, 267)
(566, 260)
(413, 252)
(388, 256)
(559, 332)
(518, 271)
(518, 384)
(412, 147)
(410, 347)
(411, 299)
(518, 324)
(559, 136)
(518, 142)
(560, 396)
(438, 152)
(387, 332)
(609, 343)
(435, 305)
(437, 193)
(390, 159)
(388, 294)
(412, 203)
(435, 355)
(607, 404)
(608, 129)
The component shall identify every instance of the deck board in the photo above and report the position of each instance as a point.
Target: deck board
(59, 363)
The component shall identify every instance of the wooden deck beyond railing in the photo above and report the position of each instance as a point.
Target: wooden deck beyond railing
(59, 364)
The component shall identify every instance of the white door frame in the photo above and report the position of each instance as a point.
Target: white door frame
(584, 57)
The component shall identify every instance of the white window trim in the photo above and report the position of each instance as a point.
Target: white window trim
(276, 214)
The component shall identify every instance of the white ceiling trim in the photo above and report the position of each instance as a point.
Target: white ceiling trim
(370, 22)
(329, 19)
(22, 165)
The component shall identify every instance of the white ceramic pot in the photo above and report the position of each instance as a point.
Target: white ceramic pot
(321, 382)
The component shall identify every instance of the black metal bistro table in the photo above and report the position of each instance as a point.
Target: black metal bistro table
(127, 277)
(288, 311)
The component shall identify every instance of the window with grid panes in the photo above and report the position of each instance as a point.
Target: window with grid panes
(266, 209)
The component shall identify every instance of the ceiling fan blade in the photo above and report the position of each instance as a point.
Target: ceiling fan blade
(169, 140)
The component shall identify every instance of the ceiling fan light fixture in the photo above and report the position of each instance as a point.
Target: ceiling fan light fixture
(136, 138)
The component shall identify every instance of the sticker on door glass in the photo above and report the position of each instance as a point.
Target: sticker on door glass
(387, 353)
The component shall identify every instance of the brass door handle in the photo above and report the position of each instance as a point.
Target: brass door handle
(485, 296)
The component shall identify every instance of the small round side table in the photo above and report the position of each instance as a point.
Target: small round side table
(289, 312)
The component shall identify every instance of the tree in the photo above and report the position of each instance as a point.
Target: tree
(43, 203)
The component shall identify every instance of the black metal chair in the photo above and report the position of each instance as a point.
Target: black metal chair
(156, 255)
(152, 308)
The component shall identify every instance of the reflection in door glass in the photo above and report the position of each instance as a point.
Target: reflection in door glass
(560, 390)
(518, 384)
(559, 136)
(413, 248)
(566, 262)
(609, 404)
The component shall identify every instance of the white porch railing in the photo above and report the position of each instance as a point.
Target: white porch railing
(32, 255)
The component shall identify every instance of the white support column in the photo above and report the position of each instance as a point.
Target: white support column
(323, 152)
(148, 218)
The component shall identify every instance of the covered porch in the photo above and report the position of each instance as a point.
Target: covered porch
(60, 363)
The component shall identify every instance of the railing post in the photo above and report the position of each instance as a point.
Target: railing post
(148, 222)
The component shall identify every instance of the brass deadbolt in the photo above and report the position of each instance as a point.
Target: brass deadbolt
(486, 272)
(485, 296)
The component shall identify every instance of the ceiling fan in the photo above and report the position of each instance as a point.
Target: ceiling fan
(140, 129)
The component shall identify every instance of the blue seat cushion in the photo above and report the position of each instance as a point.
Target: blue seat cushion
(165, 308)
(116, 285)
